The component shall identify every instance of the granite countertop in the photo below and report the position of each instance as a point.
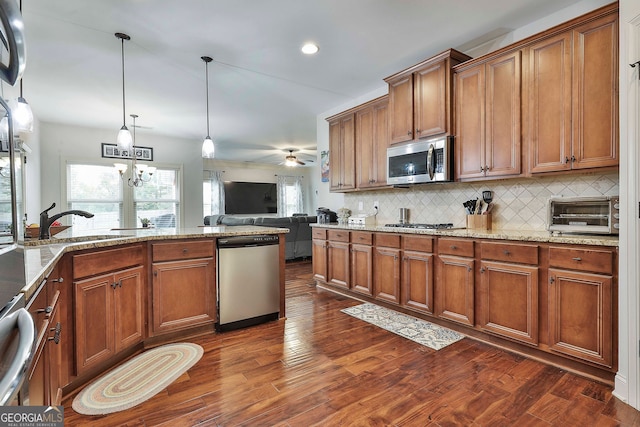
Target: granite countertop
(40, 256)
(514, 235)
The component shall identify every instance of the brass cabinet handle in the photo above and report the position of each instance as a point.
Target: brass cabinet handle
(56, 336)
(58, 280)
(551, 280)
(453, 247)
(482, 270)
(409, 133)
(418, 131)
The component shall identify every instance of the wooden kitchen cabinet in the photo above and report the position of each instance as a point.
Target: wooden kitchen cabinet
(183, 286)
(338, 259)
(572, 111)
(420, 98)
(319, 253)
(509, 290)
(109, 315)
(108, 303)
(455, 285)
(362, 262)
(371, 142)
(417, 273)
(386, 267)
(342, 138)
(488, 111)
(581, 315)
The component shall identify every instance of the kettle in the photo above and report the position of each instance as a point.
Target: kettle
(326, 216)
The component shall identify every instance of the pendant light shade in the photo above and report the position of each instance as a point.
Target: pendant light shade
(124, 139)
(22, 114)
(208, 149)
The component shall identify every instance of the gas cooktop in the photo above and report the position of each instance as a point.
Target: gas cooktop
(425, 226)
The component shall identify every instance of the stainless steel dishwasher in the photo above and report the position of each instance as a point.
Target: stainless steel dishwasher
(248, 280)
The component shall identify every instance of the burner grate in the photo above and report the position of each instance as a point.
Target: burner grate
(425, 226)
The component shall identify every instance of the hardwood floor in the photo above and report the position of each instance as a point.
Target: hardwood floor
(322, 367)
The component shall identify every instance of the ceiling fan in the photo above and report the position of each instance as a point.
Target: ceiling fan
(292, 160)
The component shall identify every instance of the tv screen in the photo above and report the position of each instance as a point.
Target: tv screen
(250, 198)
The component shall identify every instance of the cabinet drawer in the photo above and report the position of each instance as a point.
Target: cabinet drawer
(596, 261)
(338, 235)
(508, 252)
(175, 251)
(319, 233)
(361, 237)
(94, 263)
(388, 240)
(458, 247)
(417, 243)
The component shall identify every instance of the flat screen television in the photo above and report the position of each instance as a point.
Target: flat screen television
(250, 198)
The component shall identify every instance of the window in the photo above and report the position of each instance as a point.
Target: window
(158, 199)
(96, 189)
(213, 193)
(290, 195)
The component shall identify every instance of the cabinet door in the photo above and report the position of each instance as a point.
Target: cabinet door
(455, 289)
(386, 282)
(430, 100)
(595, 94)
(549, 104)
(38, 388)
(365, 148)
(128, 306)
(470, 123)
(94, 320)
(362, 269)
(380, 143)
(502, 115)
(338, 264)
(401, 109)
(417, 281)
(348, 151)
(510, 300)
(184, 294)
(581, 330)
(335, 146)
(319, 259)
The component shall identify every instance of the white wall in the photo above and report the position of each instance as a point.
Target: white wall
(59, 143)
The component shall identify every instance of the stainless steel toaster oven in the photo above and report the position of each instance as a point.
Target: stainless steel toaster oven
(584, 215)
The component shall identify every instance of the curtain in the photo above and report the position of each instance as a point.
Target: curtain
(290, 196)
(217, 192)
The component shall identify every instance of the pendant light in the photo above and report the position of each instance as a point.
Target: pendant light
(22, 114)
(124, 140)
(208, 149)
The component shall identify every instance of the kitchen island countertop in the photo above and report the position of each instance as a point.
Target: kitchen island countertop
(40, 256)
(513, 235)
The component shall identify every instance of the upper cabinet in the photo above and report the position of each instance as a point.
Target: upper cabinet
(420, 97)
(342, 152)
(572, 111)
(487, 111)
(372, 140)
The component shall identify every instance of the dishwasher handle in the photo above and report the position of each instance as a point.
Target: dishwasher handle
(17, 371)
(247, 241)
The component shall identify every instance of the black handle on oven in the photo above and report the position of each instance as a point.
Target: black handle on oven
(17, 371)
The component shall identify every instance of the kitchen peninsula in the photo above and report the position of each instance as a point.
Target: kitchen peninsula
(550, 297)
(99, 297)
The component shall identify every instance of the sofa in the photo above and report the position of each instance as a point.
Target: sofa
(297, 241)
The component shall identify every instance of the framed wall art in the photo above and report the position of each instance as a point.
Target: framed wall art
(324, 166)
(112, 151)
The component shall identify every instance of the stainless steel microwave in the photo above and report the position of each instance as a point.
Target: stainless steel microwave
(419, 162)
(597, 215)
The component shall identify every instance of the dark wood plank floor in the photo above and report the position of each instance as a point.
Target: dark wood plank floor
(322, 367)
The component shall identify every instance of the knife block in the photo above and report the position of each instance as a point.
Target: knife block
(479, 222)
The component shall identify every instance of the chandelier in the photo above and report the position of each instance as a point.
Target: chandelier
(208, 149)
(140, 173)
(124, 136)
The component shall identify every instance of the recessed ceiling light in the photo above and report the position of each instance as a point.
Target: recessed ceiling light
(310, 48)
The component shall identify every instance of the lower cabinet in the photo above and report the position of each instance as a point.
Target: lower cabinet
(184, 285)
(109, 315)
(319, 254)
(362, 269)
(455, 286)
(338, 259)
(417, 281)
(386, 268)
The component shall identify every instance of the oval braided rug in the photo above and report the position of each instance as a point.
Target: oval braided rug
(137, 380)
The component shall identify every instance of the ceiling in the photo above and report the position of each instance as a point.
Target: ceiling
(264, 93)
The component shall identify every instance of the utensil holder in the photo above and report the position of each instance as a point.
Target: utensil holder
(479, 222)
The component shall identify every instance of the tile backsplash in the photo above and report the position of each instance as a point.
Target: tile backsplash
(518, 203)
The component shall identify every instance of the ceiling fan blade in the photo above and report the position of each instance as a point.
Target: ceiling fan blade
(299, 162)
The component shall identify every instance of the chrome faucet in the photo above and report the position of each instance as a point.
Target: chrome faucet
(45, 221)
